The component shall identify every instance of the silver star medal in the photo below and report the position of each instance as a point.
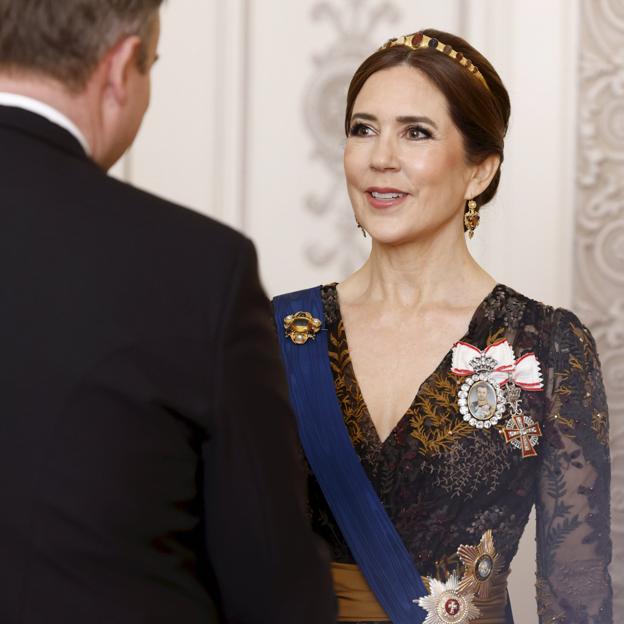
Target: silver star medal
(446, 603)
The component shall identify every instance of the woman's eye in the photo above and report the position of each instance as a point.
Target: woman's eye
(360, 130)
(418, 132)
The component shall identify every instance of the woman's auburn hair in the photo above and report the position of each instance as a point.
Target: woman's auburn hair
(480, 113)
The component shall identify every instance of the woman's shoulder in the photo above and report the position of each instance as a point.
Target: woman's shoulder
(515, 305)
(559, 330)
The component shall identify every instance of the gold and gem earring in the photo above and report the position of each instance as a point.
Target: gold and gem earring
(471, 218)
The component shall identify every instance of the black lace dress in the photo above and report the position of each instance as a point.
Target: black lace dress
(445, 483)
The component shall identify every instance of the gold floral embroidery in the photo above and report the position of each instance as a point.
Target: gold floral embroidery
(581, 333)
(562, 390)
(600, 426)
(430, 419)
(340, 360)
(564, 424)
(495, 336)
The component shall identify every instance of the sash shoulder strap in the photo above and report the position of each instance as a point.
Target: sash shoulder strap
(367, 528)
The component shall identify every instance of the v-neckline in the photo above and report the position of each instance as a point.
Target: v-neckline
(476, 315)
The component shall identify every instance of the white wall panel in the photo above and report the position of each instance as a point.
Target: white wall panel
(599, 234)
(526, 236)
(173, 155)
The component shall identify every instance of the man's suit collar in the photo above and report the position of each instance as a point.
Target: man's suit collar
(40, 128)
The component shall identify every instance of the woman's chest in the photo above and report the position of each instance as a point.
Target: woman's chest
(468, 430)
(436, 453)
(392, 363)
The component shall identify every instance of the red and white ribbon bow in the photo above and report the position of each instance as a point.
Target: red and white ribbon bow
(525, 371)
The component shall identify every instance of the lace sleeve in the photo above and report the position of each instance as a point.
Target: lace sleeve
(573, 542)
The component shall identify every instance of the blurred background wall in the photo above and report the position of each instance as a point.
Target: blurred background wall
(246, 126)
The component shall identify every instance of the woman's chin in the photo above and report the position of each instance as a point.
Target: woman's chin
(394, 236)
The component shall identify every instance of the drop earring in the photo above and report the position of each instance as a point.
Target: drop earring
(471, 218)
(361, 227)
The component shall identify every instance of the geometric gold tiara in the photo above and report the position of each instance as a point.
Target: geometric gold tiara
(419, 40)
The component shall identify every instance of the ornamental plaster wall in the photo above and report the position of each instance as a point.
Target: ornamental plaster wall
(246, 125)
(598, 292)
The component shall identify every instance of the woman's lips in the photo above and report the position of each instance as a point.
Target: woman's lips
(384, 197)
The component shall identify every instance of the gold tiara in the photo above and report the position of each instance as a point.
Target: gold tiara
(419, 40)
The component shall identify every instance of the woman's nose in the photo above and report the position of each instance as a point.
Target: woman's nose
(384, 154)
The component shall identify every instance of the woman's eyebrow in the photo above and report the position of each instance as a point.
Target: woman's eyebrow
(416, 119)
(401, 119)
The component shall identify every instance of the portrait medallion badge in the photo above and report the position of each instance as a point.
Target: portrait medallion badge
(483, 397)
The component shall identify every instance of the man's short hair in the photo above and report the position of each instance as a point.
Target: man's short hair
(66, 39)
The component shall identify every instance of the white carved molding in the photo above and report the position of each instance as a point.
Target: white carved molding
(599, 240)
(354, 24)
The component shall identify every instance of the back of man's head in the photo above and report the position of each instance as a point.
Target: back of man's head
(65, 39)
(91, 60)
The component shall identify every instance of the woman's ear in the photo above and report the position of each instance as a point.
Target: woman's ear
(482, 175)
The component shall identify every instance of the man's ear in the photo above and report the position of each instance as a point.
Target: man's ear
(121, 61)
(482, 176)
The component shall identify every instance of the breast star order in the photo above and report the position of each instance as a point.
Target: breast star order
(446, 603)
(482, 564)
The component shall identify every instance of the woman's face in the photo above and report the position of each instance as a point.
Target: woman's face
(404, 159)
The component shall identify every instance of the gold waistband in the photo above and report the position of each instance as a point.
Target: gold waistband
(357, 603)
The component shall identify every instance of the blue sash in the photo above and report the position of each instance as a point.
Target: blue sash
(369, 532)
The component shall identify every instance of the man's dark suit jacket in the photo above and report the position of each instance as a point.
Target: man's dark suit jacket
(148, 463)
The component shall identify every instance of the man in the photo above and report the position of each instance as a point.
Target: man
(148, 465)
(481, 408)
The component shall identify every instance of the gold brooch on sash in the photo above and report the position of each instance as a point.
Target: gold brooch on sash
(446, 603)
(481, 565)
(301, 326)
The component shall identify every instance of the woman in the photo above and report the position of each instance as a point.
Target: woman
(424, 504)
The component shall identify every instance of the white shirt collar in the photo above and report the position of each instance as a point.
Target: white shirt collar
(47, 111)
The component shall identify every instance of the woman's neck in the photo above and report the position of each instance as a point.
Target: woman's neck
(418, 273)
